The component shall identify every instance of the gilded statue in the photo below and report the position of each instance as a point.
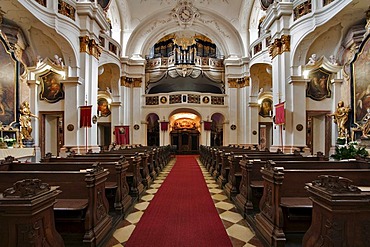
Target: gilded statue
(340, 118)
(365, 128)
(25, 121)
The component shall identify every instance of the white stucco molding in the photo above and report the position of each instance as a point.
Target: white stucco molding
(302, 29)
(150, 30)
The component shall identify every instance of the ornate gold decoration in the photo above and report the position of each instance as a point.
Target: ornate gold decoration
(42, 2)
(90, 46)
(66, 9)
(302, 9)
(279, 46)
(285, 41)
(238, 82)
(163, 100)
(84, 44)
(131, 82)
(94, 48)
(152, 100)
(217, 100)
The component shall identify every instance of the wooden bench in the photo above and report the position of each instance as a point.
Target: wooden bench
(341, 213)
(232, 186)
(117, 188)
(285, 206)
(224, 165)
(251, 185)
(81, 210)
(26, 215)
(133, 174)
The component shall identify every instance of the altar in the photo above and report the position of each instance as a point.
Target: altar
(18, 153)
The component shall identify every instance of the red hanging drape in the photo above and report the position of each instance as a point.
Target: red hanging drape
(122, 134)
(280, 114)
(164, 126)
(85, 116)
(207, 125)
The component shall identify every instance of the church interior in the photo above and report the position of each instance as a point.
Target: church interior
(104, 102)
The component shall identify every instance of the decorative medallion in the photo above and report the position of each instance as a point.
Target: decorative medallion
(136, 127)
(233, 127)
(163, 100)
(205, 100)
(299, 127)
(70, 127)
(185, 13)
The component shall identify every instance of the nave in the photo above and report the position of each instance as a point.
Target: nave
(237, 228)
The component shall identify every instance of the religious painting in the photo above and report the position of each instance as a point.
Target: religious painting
(266, 107)
(361, 81)
(318, 87)
(103, 107)
(51, 88)
(8, 81)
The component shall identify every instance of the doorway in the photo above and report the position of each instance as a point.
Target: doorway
(265, 135)
(186, 141)
(152, 130)
(318, 131)
(104, 136)
(52, 132)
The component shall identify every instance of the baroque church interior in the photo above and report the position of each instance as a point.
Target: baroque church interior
(177, 79)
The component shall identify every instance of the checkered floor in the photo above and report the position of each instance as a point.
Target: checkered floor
(236, 227)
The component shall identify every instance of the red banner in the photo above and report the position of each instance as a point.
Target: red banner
(207, 125)
(85, 116)
(122, 134)
(164, 126)
(279, 114)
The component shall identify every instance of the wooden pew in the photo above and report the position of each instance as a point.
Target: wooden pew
(285, 206)
(232, 186)
(117, 188)
(145, 167)
(251, 185)
(27, 216)
(133, 174)
(223, 168)
(233, 169)
(341, 213)
(81, 210)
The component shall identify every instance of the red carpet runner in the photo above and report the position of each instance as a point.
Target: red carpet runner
(181, 213)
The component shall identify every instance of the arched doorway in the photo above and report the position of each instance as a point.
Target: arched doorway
(185, 132)
(217, 131)
(153, 129)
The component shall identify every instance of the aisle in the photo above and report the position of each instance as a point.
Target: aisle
(236, 227)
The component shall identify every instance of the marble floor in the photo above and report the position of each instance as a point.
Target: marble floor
(236, 227)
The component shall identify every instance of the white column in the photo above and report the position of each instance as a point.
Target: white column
(298, 109)
(115, 116)
(33, 100)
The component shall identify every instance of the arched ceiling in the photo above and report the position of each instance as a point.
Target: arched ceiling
(146, 21)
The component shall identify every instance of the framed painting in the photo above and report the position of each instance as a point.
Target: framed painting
(51, 88)
(318, 87)
(266, 107)
(360, 68)
(9, 75)
(103, 107)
